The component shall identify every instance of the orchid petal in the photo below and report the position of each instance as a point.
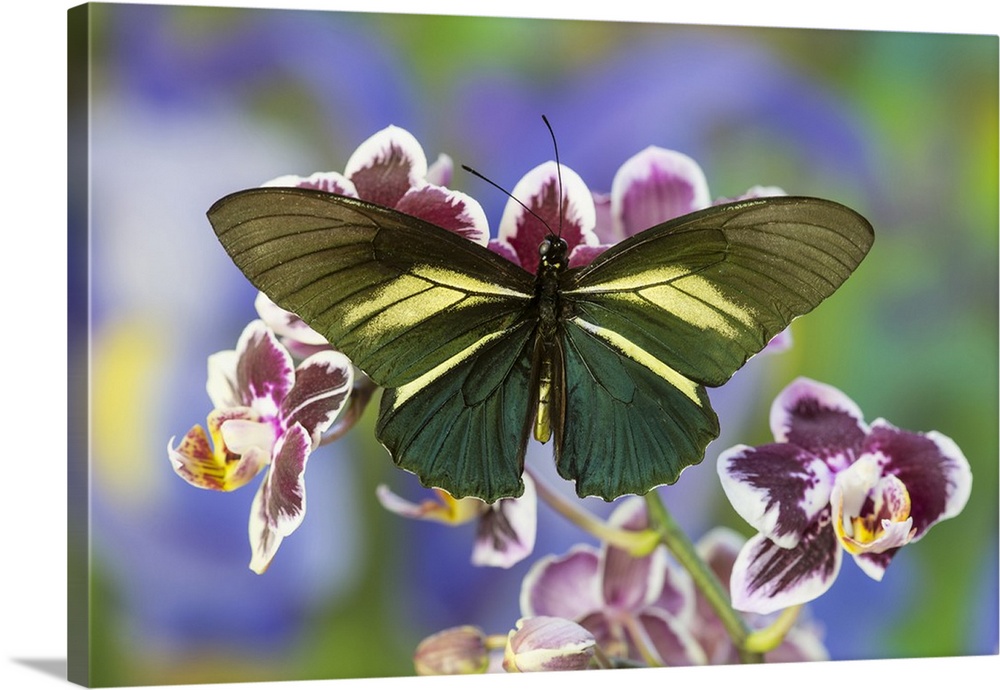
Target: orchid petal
(264, 541)
(931, 466)
(280, 503)
(221, 385)
(801, 643)
(286, 491)
(778, 488)
(818, 418)
(264, 372)
(506, 531)
(502, 248)
(628, 582)
(440, 171)
(677, 595)
(673, 642)
(242, 435)
(604, 227)
(218, 469)
(583, 254)
(445, 509)
(453, 651)
(718, 549)
(871, 513)
(566, 586)
(755, 192)
(538, 191)
(386, 165)
(331, 182)
(285, 323)
(654, 186)
(767, 578)
(323, 383)
(448, 209)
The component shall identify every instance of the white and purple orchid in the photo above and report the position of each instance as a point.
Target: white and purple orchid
(390, 169)
(636, 608)
(505, 530)
(266, 414)
(832, 483)
(718, 549)
(647, 609)
(653, 186)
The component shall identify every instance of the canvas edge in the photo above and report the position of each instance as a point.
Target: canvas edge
(78, 345)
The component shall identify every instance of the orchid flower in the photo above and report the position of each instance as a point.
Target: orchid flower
(267, 414)
(505, 531)
(832, 483)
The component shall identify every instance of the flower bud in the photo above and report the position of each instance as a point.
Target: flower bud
(451, 652)
(545, 643)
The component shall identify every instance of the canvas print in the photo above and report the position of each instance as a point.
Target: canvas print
(426, 345)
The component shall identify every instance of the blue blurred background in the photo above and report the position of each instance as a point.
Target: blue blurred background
(189, 104)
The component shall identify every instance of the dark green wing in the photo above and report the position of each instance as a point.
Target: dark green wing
(464, 425)
(630, 423)
(704, 292)
(396, 294)
(443, 324)
(681, 306)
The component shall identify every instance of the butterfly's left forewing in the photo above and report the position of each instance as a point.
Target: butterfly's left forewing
(704, 292)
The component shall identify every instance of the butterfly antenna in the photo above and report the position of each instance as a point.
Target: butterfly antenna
(509, 195)
(555, 147)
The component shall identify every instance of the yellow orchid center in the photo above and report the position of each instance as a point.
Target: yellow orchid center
(872, 512)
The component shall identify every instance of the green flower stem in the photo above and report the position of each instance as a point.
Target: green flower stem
(642, 642)
(637, 543)
(601, 659)
(766, 639)
(705, 580)
(495, 642)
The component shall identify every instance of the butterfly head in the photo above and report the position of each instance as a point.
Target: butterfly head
(552, 252)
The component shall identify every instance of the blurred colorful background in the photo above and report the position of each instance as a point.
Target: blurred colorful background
(188, 104)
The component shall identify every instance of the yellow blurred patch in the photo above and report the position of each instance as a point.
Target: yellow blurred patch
(128, 363)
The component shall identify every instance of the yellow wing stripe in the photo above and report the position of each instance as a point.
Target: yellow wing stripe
(680, 292)
(636, 281)
(465, 282)
(700, 302)
(408, 390)
(689, 388)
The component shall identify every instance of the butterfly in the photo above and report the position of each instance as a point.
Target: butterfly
(476, 355)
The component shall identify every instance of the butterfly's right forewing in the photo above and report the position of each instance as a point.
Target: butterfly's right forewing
(396, 294)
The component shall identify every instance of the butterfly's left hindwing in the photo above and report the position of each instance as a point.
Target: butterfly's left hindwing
(631, 422)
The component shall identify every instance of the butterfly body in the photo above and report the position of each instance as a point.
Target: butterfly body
(476, 355)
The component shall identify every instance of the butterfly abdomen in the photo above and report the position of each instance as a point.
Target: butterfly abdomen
(552, 254)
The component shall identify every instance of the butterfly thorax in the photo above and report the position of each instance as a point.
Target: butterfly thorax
(552, 260)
